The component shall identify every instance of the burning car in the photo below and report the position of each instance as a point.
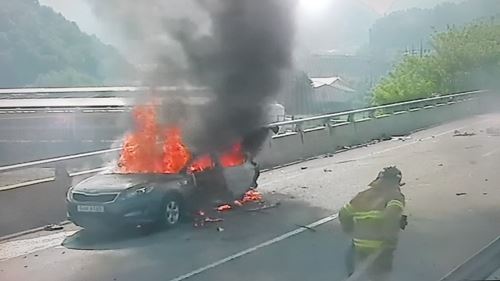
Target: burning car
(136, 199)
(158, 180)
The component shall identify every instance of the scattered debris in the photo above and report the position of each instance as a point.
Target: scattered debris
(304, 168)
(486, 180)
(458, 133)
(24, 257)
(485, 193)
(304, 187)
(402, 138)
(213, 220)
(461, 193)
(36, 255)
(63, 252)
(220, 229)
(53, 227)
(224, 208)
(441, 165)
(306, 227)
(25, 266)
(433, 137)
(385, 138)
(251, 196)
(264, 207)
(402, 184)
(327, 170)
(292, 197)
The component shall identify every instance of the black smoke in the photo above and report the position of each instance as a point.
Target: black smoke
(239, 49)
(242, 61)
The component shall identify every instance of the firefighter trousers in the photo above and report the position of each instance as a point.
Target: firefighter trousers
(380, 261)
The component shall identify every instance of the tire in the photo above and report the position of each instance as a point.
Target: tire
(172, 210)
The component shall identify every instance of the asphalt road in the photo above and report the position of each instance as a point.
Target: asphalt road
(444, 230)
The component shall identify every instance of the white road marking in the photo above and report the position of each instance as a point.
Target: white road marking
(17, 248)
(491, 153)
(255, 248)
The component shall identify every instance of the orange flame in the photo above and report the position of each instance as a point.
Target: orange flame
(201, 164)
(143, 150)
(234, 157)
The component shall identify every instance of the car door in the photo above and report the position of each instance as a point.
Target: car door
(239, 178)
(209, 179)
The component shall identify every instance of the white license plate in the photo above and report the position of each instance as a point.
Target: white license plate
(90, 209)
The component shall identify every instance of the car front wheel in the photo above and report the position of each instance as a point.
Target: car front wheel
(171, 210)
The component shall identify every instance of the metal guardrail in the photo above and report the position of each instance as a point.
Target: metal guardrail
(298, 123)
(370, 111)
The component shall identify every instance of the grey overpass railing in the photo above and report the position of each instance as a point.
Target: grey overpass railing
(296, 126)
(371, 112)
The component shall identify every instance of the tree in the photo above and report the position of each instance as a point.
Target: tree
(463, 59)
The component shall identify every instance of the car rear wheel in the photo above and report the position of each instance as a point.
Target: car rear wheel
(172, 210)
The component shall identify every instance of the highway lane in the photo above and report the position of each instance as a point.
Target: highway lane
(444, 228)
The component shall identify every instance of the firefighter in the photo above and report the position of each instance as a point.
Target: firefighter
(373, 219)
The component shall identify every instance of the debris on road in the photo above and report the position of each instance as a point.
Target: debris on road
(458, 133)
(220, 229)
(304, 168)
(441, 165)
(327, 170)
(402, 138)
(213, 220)
(486, 180)
(304, 187)
(53, 227)
(224, 208)
(264, 207)
(485, 193)
(306, 227)
(461, 193)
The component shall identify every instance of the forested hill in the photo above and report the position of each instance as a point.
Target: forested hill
(39, 47)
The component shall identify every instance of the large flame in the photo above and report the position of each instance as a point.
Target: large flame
(151, 149)
(234, 157)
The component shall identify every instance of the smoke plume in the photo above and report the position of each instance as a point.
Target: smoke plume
(239, 49)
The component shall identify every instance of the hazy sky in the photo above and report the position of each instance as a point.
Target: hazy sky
(316, 18)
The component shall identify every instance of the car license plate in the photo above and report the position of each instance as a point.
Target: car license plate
(90, 209)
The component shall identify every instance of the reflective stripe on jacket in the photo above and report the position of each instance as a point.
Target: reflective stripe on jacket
(373, 217)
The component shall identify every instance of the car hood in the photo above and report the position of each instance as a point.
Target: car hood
(116, 182)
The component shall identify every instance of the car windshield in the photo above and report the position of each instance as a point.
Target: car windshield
(249, 140)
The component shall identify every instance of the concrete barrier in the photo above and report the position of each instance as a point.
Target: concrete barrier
(324, 139)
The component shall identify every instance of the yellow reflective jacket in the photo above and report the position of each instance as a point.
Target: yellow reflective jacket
(373, 217)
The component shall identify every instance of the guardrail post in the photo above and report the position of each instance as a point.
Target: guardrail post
(350, 117)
